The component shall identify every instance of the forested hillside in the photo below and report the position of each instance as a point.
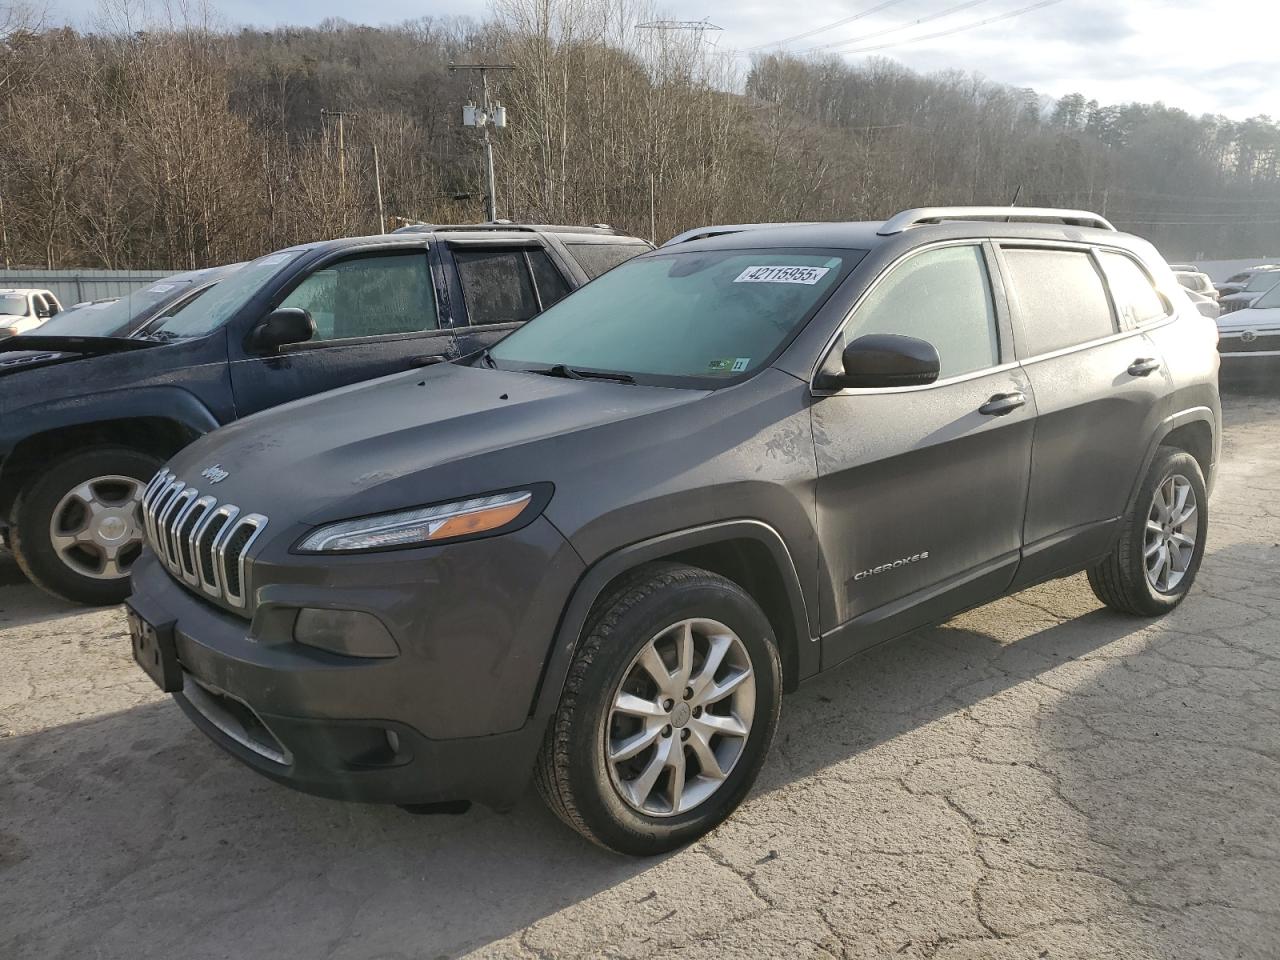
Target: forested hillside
(182, 145)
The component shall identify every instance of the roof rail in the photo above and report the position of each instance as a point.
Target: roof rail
(922, 215)
(506, 225)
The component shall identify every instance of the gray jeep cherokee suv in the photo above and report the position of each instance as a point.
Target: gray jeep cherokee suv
(600, 551)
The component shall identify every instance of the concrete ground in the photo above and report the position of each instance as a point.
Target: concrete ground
(1039, 778)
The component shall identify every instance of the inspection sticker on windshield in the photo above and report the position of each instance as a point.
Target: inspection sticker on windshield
(805, 275)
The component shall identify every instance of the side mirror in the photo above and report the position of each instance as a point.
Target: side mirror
(884, 360)
(280, 328)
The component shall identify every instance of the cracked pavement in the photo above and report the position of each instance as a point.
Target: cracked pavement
(1037, 778)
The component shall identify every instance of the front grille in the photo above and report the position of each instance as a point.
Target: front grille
(201, 541)
(1262, 342)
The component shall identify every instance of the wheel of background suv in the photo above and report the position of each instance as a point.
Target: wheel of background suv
(670, 705)
(1162, 541)
(77, 527)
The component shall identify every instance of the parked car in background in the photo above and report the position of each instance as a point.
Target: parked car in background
(1236, 282)
(117, 316)
(23, 309)
(83, 427)
(1196, 282)
(598, 552)
(1249, 339)
(1254, 287)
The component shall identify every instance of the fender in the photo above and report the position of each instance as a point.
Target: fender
(1166, 427)
(604, 570)
(162, 402)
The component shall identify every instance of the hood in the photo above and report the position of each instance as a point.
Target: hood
(407, 439)
(1251, 318)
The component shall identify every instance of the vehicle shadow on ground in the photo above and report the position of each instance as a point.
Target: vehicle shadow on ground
(29, 605)
(180, 850)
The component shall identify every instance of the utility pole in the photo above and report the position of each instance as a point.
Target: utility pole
(342, 144)
(377, 183)
(481, 116)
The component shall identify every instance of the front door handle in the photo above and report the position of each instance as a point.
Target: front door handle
(1002, 403)
(1144, 367)
(429, 361)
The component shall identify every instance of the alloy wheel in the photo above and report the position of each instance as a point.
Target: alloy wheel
(96, 528)
(680, 718)
(1172, 528)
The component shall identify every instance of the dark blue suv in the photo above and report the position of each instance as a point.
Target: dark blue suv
(86, 421)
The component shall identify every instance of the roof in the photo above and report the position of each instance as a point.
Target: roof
(922, 223)
(499, 226)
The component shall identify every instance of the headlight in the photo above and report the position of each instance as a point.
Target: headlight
(421, 525)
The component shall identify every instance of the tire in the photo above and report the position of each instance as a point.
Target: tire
(1122, 579)
(115, 478)
(652, 606)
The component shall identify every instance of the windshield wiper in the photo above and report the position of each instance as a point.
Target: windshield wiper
(570, 373)
(71, 344)
(488, 360)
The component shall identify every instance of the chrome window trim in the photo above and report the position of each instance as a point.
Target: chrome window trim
(857, 304)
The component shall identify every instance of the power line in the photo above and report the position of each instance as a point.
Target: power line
(824, 29)
(905, 26)
(954, 30)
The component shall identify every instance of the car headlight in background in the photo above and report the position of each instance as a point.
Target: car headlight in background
(420, 525)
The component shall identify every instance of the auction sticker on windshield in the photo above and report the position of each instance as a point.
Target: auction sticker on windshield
(766, 274)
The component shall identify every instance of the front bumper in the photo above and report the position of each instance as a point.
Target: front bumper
(449, 718)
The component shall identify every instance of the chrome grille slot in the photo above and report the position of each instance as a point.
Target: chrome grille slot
(202, 542)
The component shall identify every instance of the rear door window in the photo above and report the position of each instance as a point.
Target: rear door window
(496, 284)
(1136, 299)
(1060, 297)
(598, 258)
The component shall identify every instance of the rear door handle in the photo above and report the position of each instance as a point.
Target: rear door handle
(429, 361)
(1144, 367)
(1002, 403)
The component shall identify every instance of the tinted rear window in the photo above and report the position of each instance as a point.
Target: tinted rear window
(598, 258)
(1060, 297)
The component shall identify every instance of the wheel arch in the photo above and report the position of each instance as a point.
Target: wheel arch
(133, 424)
(1195, 430)
(750, 553)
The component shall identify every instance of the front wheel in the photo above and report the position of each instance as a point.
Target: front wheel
(77, 528)
(1153, 565)
(670, 705)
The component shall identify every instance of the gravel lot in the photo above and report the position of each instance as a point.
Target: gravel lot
(1038, 778)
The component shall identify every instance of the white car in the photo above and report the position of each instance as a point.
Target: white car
(24, 309)
(1258, 284)
(1196, 282)
(1252, 335)
(1208, 306)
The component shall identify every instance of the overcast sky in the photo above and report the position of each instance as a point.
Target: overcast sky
(1219, 56)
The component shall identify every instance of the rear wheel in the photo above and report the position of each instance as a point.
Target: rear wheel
(77, 528)
(1155, 561)
(670, 706)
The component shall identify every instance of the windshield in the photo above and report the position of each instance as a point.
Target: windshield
(13, 304)
(112, 318)
(702, 316)
(1263, 281)
(204, 314)
(1269, 299)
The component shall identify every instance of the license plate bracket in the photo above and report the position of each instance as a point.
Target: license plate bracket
(155, 651)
